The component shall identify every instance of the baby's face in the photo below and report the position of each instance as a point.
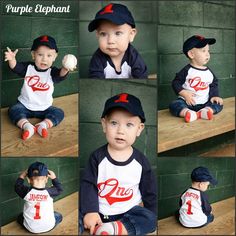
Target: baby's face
(199, 56)
(121, 129)
(44, 57)
(114, 39)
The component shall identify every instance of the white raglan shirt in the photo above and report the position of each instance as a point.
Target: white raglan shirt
(38, 211)
(115, 198)
(191, 214)
(37, 90)
(198, 82)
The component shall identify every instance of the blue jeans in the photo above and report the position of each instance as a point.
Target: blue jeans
(178, 105)
(57, 215)
(19, 111)
(137, 221)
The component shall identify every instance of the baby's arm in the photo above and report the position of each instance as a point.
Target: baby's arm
(188, 96)
(51, 175)
(11, 57)
(20, 188)
(56, 189)
(63, 72)
(91, 220)
(23, 174)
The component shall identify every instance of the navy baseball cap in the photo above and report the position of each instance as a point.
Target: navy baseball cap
(196, 41)
(44, 40)
(116, 13)
(37, 169)
(202, 174)
(127, 101)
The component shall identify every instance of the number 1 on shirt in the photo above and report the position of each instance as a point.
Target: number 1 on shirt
(37, 207)
(189, 212)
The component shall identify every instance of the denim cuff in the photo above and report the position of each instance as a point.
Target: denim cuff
(129, 226)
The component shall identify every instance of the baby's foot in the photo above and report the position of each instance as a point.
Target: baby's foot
(111, 228)
(28, 131)
(190, 116)
(206, 114)
(42, 129)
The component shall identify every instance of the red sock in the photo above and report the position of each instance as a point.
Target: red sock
(190, 116)
(205, 114)
(42, 128)
(28, 130)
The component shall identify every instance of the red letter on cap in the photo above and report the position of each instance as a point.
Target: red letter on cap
(122, 98)
(107, 9)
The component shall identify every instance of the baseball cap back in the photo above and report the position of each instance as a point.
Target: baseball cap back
(126, 101)
(37, 169)
(115, 13)
(202, 174)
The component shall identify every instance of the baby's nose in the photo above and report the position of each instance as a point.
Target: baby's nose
(110, 39)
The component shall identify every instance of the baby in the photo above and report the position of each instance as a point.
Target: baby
(38, 215)
(36, 99)
(116, 57)
(196, 84)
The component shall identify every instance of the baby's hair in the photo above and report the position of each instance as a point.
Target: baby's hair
(35, 172)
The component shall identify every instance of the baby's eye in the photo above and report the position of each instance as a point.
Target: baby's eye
(118, 33)
(49, 55)
(130, 124)
(113, 122)
(102, 34)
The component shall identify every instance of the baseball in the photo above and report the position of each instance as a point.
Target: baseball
(69, 62)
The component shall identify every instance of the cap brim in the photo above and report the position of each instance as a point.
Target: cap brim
(204, 42)
(213, 181)
(93, 25)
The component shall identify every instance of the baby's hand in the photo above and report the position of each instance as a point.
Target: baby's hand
(23, 174)
(10, 55)
(91, 220)
(218, 100)
(51, 174)
(188, 96)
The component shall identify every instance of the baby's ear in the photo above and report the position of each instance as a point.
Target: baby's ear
(32, 54)
(141, 128)
(133, 33)
(190, 54)
(55, 56)
(103, 121)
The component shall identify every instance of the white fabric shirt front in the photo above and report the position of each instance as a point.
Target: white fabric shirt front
(110, 72)
(118, 187)
(191, 214)
(198, 82)
(38, 211)
(37, 90)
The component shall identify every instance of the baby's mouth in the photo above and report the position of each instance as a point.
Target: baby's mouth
(119, 139)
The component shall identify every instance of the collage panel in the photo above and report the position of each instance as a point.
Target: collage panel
(37, 46)
(43, 192)
(109, 111)
(196, 196)
(196, 94)
(196, 137)
(101, 20)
